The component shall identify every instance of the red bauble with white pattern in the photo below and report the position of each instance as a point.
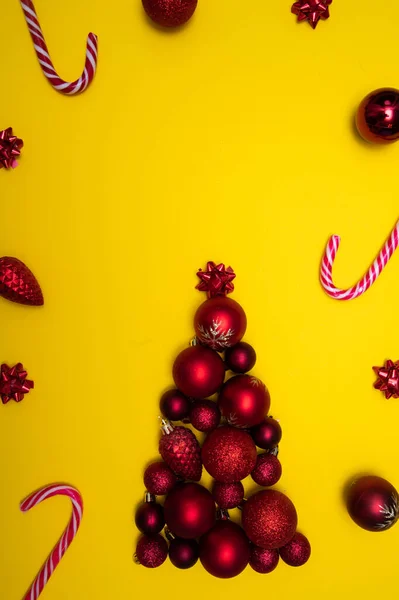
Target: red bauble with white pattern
(244, 401)
(198, 372)
(220, 322)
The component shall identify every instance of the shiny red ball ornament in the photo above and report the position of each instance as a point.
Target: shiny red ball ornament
(174, 405)
(240, 358)
(373, 503)
(377, 118)
(159, 479)
(224, 550)
(263, 560)
(149, 516)
(151, 550)
(220, 322)
(189, 510)
(183, 554)
(170, 13)
(228, 495)
(18, 284)
(198, 372)
(297, 552)
(229, 454)
(204, 415)
(244, 401)
(267, 470)
(269, 519)
(181, 451)
(267, 434)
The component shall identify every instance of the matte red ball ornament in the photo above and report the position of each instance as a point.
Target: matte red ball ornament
(267, 470)
(240, 358)
(174, 405)
(373, 503)
(151, 550)
(181, 451)
(263, 560)
(267, 434)
(170, 13)
(220, 322)
(224, 550)
(18, 284)
(183, 554)
(149, 516)
(198, 372)
(297, 552)
(204, 415)
(244, 401)
(229, 454)
(189, 510)
(159, 479)
(377, 118)
(269, 519)
(228, 495)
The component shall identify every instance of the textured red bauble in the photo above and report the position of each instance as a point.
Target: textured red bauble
(373, 503)
(170, 13)
(174, 405)
(151, 550)
(149, 517)
(189, 510)
(198, 372)
(267, 470)
(229, 454)
(205, 415)
(267, 434)
(228, 495)
(240, 358)
(297, 552)
(377, 118)
(159, 479)
(183, 554)
(181, 451)
(224, 550)
(244, 401)
(17, 282)
(269, 519)
(263, 560)
(220, 322)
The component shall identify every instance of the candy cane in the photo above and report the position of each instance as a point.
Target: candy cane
(59, 550)
(45, 61)
(368, 279)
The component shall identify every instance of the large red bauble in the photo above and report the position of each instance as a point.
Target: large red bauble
(377, 118)
(244, 401)
(224, 550)
(269, 519)
(220, 322)
(373, 503)
(229, 454)
(297, 552)
(240, 358)
(189, 510)
(267, 434)
(170, 13)
(151, 550)
(198, 372)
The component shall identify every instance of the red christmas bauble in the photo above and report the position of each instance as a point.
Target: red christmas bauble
(229, 454)
(189, 510)
(373, 503)
(17, 282)
(159, 479)
(151, 550)
(240, 358)
(224, 550)
(267, 434)
(297, 552)
(174, 405)
(220, 322)
(170, 13)
(204, 415)
(181, 451)
(149, 518)
(377, 118)
(198, 372)
(267, 470)
(244, 401)
(269, 519)
(263, 560)
(228, 495)
(183, 554)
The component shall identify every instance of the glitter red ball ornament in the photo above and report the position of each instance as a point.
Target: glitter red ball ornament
(189, 510)
(204, 415)
(198, 372)
(269, 519)
(224, 550)
(18, 284)
(240, 358)
(181, 451)
(220, 322)
(159, 479)
(244, 401)
(183, 554)
(151, 550)
(373, 503)
(263, 560)
(174, 405)
(228, 495)
(377, 118)
(297, 552)
(149, 516)
(267, 434)
(267, 470)
(170, 13)
(229, 454)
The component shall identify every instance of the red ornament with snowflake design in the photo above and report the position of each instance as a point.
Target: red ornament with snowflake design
(219, 323)
(244, 401)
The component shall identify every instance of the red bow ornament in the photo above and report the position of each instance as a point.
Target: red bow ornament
(10, 148)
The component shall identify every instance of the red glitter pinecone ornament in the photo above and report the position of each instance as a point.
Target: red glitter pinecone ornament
(181, 451)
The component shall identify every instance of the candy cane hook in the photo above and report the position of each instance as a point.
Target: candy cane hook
(44, 57)
(368, 279)
(59, 550)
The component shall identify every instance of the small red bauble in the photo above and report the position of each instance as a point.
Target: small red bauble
(297, 552)
(373, 503)
(174, 405)
(189, 510)
(263, 560)
(18, 284)
(377, 118)
(170, 13)
(220, 322)
(198, 372)
(229, 454)
(267, 470)
(183, 554)
(267, 434)
(204, 415)
(151, 550)
(181, 451)
(269, 519)
(244, 401)
(228, 495)
(224, 550)
(240, 358)
(159, 479)
(149, 517)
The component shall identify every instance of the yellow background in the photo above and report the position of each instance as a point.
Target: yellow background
(230, 140)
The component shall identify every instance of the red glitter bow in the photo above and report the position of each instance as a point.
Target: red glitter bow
(311, 10)
(216, 280)
(13, 383)
(388, 379)
(10, 147)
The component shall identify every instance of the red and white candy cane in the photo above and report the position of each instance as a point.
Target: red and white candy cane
(368, 279)
(55, 489)
(44, 57)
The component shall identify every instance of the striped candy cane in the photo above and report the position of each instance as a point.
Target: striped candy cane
(44, 57)
(368, 279)
(56, 489)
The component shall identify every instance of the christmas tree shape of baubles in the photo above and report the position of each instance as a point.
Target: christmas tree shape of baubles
(231, 437)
